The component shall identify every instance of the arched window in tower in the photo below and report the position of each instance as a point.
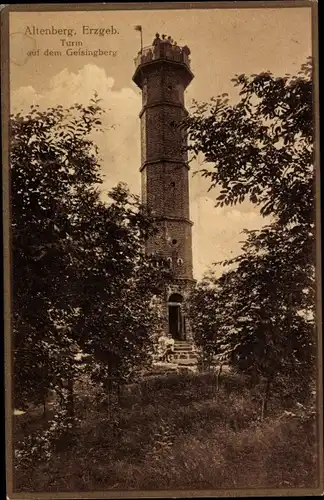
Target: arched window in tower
(169, 91)
(176, 329)
(168, 85)
(180, 261)
(169, 261)
(176, 297)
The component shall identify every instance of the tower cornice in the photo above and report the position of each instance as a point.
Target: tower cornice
(164, 159)
(163, 102)
(171, 218)
(143, 68)
(184, 280)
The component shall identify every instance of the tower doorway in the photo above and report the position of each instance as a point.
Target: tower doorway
(176, 320)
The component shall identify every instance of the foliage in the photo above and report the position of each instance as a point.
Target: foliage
(260, 314)
(261, 147)
(121, 287)
(39, 446)
(52, 163)
(81, 282)
(181, 436)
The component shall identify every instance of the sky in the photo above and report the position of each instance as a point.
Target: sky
(223, 42)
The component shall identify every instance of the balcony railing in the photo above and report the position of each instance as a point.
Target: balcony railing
(163, 51)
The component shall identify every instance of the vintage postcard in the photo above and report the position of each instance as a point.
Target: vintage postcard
(162, 250)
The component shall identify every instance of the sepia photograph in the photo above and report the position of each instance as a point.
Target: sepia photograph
(162, 250)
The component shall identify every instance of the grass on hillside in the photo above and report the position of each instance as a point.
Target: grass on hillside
(176, 432)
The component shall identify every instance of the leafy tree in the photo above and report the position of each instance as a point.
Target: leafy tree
(260, 315)
(52, 161)
(117, 317)
(81, 282)
(261, 148)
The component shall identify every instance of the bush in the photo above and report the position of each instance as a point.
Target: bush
(207, 440)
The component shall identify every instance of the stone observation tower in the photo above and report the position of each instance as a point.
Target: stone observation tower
(163, 73)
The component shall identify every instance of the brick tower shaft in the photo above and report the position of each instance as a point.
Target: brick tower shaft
(163, 73)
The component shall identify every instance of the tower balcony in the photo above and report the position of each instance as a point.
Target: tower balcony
(162, 52)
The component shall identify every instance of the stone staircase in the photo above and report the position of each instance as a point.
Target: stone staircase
(183, 359)
(184, 354)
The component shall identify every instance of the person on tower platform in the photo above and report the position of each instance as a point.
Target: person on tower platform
(168, 47)
(186, 53)
(176, 52)
(186, 50)
(156, 40)
(156, 46)
(149, 56)
(163, 46)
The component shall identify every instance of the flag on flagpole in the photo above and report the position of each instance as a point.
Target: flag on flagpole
(139, 28)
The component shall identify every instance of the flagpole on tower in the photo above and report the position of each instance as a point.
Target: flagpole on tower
(139, 28)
